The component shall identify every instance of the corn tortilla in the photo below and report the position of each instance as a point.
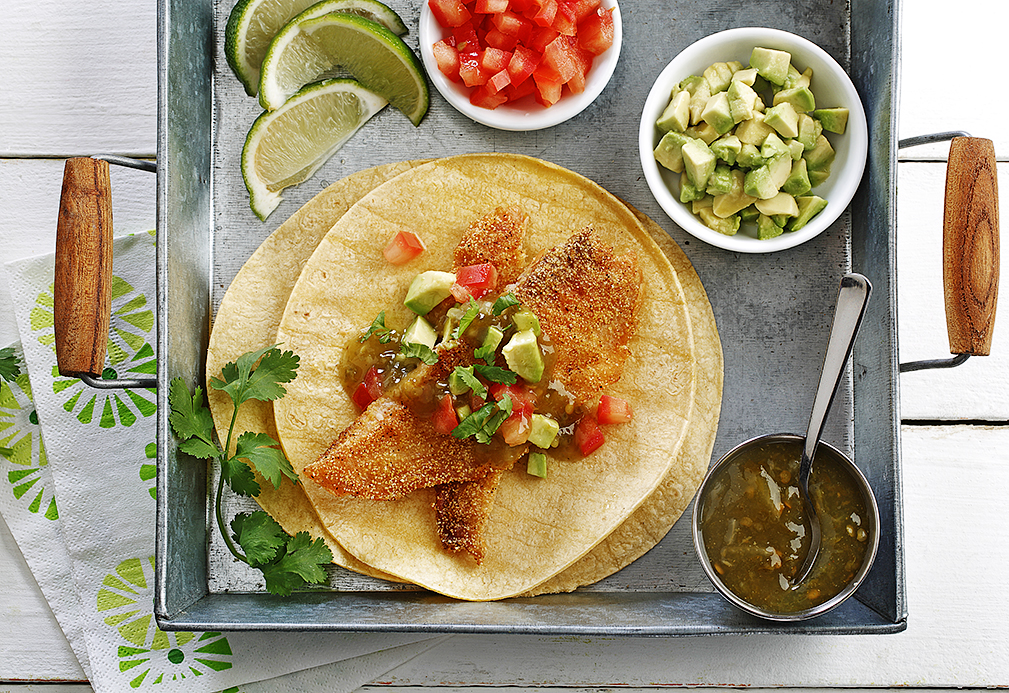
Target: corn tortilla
(537, 528)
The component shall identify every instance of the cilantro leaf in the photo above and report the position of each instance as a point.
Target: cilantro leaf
(10, 364)
(466, 375)
(244, 380)
(377, 328)
(259, 535)
(301, 563)
(265, 455)
(496, 374)
(504, 302)
(485, 353)
(419, 351)
(472, 310)
(239, 476)
(191, 420)
(474, 422)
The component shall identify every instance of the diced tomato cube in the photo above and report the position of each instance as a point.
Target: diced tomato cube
(522, 64)
(369, 390)
(523, 399)
(449, 13)
(404, 246)
(540, 37)
(470, 71)
(558, 63)
(444, 418)
(613, 410)
(447, 58)
(588, 437)
(515, 429)
(493, 60)
(523, 5)
(490, 6)
(477, 279)
(548, 92)
(564, 21)
(496, 39)
(485, 96)
(583, 60)
(595, 32)
(466, 39)
(546, 13)
(583, 8)
(512, 24)
(520, 91)
(498, 83)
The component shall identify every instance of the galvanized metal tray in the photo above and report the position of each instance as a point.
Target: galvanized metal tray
(773, 313)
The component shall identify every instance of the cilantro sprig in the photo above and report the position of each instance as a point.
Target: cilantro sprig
(10, 364)
(485, 421)
(378, 329)
(287, 562)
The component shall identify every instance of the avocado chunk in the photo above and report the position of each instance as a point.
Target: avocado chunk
(718, 76)
(783, 119)
(427, 290)
(818, 176)
(726, 148)
(797, 182)
(667, 151)
(773, 146)
(699, 91)
(747, 76)
(809, 206)
(796, 79)
(536, 465)
(782, 203)
(801, 98)
(771, 64)
(491, 340)
(742, 101)
(821, 156)
(733, 201)
(420, 331)
(688, 191)
(753, 131)
(522, 354)
(796, 149)
(720, 180)
(676, 116)
(456, 385)
(780, 167)
(832, 119)
(809, 131)
(525, 319)
(724, 225)
(759, 184)
(717, 113)
(766, 228)
(543, 430)
(698, 163)
(749, 157)
(748, 214)
(703, 131)
(697, 205)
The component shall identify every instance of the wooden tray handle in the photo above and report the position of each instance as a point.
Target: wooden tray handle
(970, 245)
(83, 281)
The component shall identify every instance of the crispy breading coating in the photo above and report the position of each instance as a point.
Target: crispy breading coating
(498, 239)
(461, 511)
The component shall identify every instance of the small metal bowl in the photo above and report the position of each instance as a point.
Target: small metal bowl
(871, 523)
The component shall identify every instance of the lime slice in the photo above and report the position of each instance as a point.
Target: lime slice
(371, 53)
(286, 146)
(253, 24)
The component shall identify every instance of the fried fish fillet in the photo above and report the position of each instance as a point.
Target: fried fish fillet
(461, 511)
(586, 298)
(497, 238)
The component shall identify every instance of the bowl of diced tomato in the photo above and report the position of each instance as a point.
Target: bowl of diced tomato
(520, 64)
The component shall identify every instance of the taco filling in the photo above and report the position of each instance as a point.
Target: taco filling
(503, 360)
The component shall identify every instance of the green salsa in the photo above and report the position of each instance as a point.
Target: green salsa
(755, 532)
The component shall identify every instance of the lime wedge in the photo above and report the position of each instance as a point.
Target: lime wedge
(286, 146)
(253, 24)
(375, 56)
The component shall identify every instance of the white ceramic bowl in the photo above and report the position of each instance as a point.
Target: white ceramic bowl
(529, 115)
(830, 85)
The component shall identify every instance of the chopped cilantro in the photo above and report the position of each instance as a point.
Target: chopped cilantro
(485, 421)
(485, 353)
(496, 374)
(377, 328)
(472, 310)
(10, 364)
(467, 376)
(504, 302)
(287, 562)
(419, 351)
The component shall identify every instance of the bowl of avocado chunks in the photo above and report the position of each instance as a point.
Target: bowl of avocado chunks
(753, 140)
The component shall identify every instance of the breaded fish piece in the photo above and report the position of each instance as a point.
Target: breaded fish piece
(497, 238)
(461, 511)
(389, 451)
(586, 298)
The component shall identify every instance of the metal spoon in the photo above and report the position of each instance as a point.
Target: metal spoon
(852, 299)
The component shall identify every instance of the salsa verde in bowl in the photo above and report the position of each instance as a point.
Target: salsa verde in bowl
(750, 531)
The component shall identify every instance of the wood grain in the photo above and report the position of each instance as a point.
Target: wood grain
(970, 245)
(83, 279)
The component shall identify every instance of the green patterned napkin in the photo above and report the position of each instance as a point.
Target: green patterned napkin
(92, 484)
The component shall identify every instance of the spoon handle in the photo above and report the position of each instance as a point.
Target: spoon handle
(852, 299)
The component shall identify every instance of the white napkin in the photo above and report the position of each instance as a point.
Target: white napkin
(99, 445)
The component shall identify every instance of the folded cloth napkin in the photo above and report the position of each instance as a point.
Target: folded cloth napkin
(92, 485)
